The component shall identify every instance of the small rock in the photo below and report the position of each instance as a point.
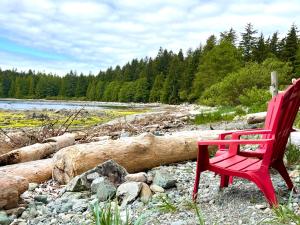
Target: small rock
(4, 219)
(16, 211)
(41, 198)
(163, 179)
(260, 206)
(104, 188)
(125, 134)
(128, 192)
(32, 186)
(66, 207)
(137, 177)
(156, 188)
(25, 215)
(179, 222)
(92, 176)
(77, 184)
(149, 178)
(295, 173)
(145, 193)
(79, 205)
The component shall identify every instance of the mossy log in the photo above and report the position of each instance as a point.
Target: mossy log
(134, 153)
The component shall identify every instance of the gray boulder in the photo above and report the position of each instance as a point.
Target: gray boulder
(104, 188)
(164, 179)
(109, 169)
(128, 192)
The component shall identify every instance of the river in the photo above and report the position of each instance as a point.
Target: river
(15, 104)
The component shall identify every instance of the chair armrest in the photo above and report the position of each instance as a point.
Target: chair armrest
(236, 141)
(223, 135)
(238, 134)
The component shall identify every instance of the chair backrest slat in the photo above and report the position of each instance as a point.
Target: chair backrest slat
(287, 112)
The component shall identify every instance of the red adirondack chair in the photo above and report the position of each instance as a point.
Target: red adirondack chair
(254, 166)
(270, 124)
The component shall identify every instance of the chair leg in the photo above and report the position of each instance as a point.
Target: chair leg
(279, 166)
(202, 163)
(231, 180)
(224, 181)
(264, 183)
(197, 179)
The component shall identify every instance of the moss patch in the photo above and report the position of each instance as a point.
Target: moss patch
(21, 119)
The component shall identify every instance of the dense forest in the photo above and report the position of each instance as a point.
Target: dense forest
(222, 71)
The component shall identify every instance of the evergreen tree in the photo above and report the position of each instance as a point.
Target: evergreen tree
(260, 52)
(214, 66)
(91, 91)
(156, 90)
(248, 42)
(229, 36)
(274, 44)
(210, 43)
(291, 46)
(170, 89)
(141, 90)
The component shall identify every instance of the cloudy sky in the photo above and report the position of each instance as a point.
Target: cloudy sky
(88, 35)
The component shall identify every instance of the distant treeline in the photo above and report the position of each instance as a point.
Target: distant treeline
(220, 72)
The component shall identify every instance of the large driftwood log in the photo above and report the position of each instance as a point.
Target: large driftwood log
(134, 153)
(11, 187)
(35, 171)
(37, 151)
(12, 140)
(256, 117)
(14, 179)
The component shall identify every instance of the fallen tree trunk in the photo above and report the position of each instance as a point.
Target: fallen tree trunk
(134, 153)
(35, 171)
(14, 179)
(37, 151)
(11, 187)
(256, 117)
(12, 140)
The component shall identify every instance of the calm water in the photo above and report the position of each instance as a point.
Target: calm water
(57, 105)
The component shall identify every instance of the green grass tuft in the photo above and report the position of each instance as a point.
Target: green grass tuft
(292, 154)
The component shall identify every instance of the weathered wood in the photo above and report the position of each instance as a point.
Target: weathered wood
(11, 187)
(134, 153)
(37, 151)
(14, 179)
(12, 140)
(35, 171)
(274, 83)
(256, 117)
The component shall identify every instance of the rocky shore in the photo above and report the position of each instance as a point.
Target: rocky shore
(162, 195)
(167, 202)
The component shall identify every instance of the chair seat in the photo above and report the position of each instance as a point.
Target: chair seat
(235, 163)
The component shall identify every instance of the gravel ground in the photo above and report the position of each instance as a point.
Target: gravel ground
(241, 203)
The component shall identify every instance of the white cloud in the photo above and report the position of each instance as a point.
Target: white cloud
(94, 34)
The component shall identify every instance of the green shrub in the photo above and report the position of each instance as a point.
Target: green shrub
(222, 114)
(235, 84)
(255, 99)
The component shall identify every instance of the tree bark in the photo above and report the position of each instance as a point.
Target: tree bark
(11, 187)
(35, 171)
(134, 153)
(37, 151)
(14, 179)
(256, 117)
